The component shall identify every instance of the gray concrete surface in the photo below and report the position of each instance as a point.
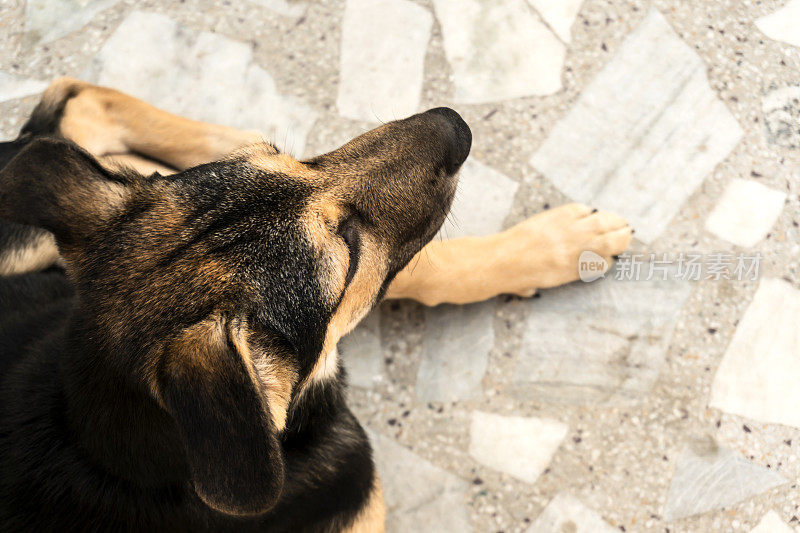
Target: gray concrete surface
(650, 405)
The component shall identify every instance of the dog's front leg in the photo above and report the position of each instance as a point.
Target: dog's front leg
(106, 122)
(538, 253)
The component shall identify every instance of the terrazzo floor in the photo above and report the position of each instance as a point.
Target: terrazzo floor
(662, 397)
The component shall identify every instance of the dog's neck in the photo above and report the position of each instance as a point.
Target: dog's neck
(117, 424)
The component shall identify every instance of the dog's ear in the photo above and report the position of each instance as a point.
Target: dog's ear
(56, 185)
(208, 386)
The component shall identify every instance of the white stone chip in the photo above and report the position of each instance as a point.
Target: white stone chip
(383, 52)
(760, 371)
(567, 513)
(520, 447)
(599, 343)
(745, 212)
(708, 477)
(48, 20)
(772, 523)
(482, 202)
(361, 352)
(200, 75)
(455, 351)
(783, 24)
(282, 7)
(644, 134)
(498, 49)
(559, 14)
(419, 495)
(12, 86)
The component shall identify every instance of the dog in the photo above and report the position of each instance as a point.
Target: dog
(171, 298)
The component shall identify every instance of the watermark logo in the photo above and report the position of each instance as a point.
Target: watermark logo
(691, 266)
(591, 266)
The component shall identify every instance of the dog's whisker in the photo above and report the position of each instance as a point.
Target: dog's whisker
(375, 114)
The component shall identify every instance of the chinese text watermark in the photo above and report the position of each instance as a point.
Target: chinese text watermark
(683, 266)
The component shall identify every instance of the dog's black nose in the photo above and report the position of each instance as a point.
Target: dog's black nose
(462, 138)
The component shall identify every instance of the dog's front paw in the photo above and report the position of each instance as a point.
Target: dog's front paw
(544, 250)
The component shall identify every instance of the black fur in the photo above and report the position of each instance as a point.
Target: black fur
(126, 403)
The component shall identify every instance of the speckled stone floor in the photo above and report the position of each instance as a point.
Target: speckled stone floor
(668, 402)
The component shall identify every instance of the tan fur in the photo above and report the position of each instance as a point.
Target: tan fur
(138, 163)
(36, 255)
(372, 518)
(354, 305)
(188, 350)
(86, 122)
(278, 380)
(324, 368)
(105, 198)
(538, 253)
(105, 121)
(61, 89)
(362, 291)
(264, 157)
(322, 219)
(276, 377)
(320, 222)
(122, 130)
(192, 352)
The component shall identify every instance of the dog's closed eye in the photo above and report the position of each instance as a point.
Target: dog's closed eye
(350, 232)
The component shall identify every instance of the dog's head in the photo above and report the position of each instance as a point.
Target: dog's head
(222, 291)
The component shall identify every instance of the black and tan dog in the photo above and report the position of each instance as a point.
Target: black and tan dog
(167, 339)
